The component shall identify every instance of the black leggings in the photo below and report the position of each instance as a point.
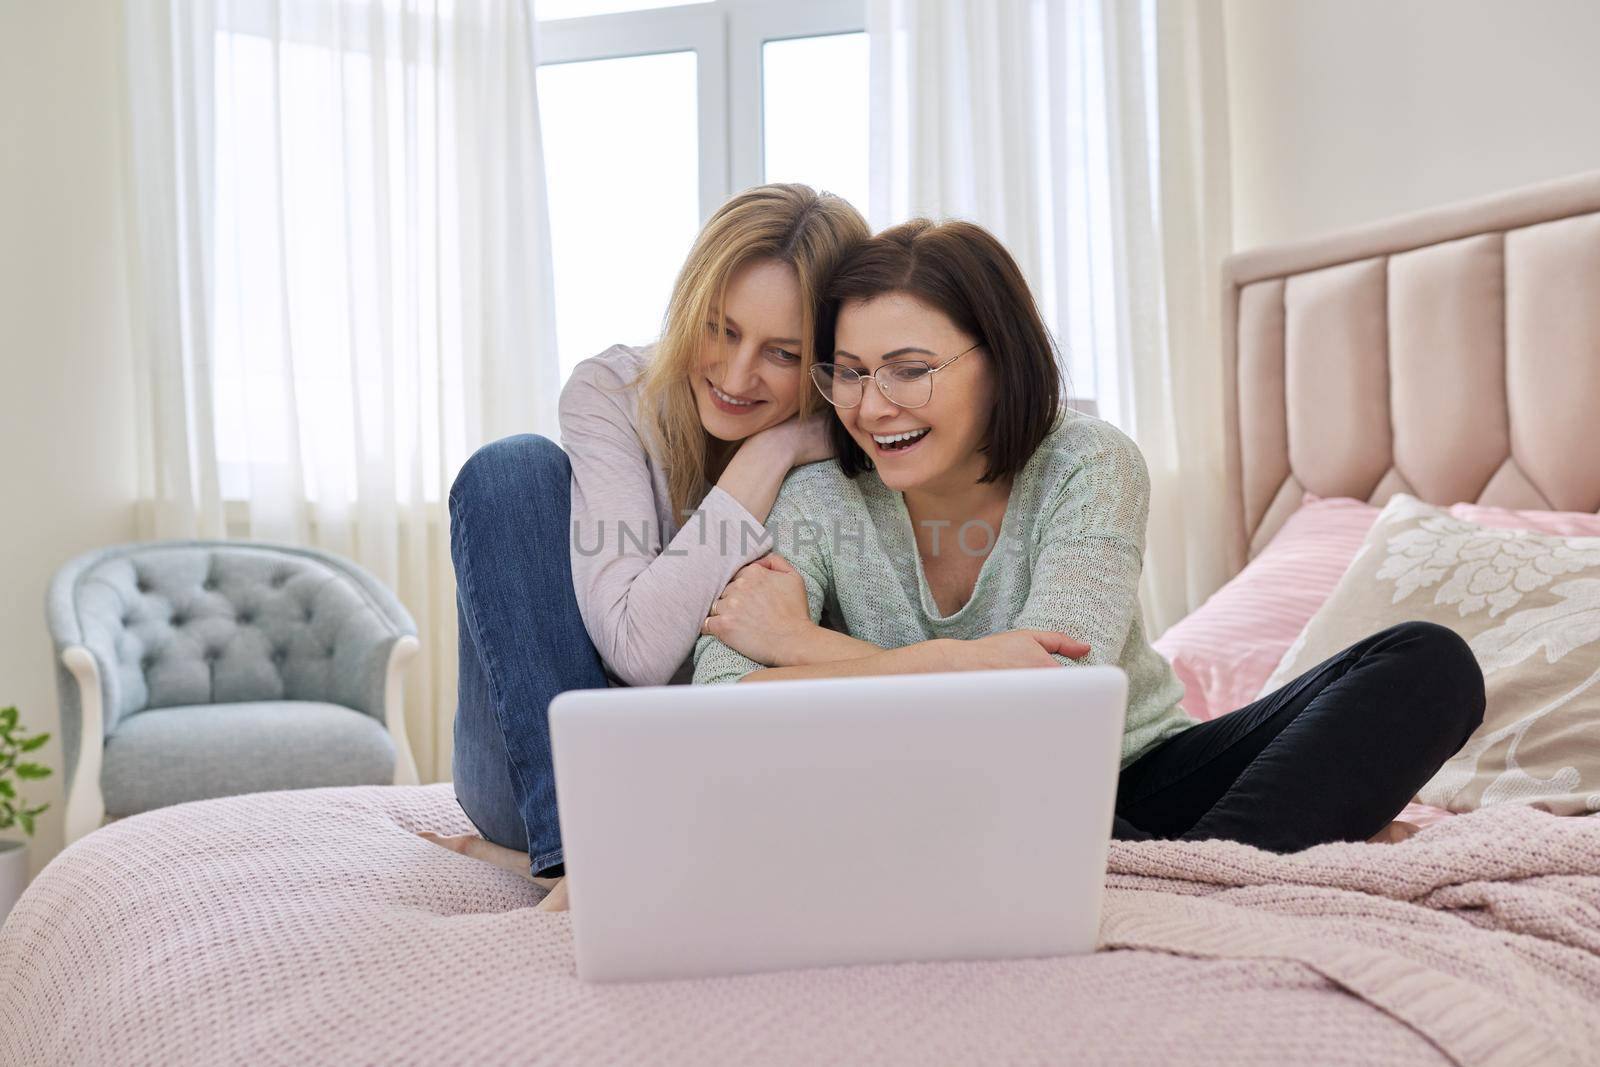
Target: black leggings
(1332, 756)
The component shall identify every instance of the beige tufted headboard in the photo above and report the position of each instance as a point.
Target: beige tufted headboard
(1453, 354)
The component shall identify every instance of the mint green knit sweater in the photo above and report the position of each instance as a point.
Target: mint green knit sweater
(1067, 558)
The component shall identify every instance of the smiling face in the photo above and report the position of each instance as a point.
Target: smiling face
(749, 375)
(930, 447)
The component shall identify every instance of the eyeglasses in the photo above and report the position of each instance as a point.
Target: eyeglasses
(905, 383)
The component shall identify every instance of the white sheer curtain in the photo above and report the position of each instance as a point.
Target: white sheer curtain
(1091, 137)
(342, 273)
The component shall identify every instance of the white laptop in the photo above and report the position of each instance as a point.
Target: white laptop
(759, 826)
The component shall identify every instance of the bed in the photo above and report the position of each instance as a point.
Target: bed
(1452, 354)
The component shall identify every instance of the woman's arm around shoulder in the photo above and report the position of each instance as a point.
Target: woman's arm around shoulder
(642, 601)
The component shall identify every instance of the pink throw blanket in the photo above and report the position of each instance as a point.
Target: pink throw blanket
(313, 926)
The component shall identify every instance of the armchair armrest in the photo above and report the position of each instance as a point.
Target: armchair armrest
(394, 711)
(86, 808)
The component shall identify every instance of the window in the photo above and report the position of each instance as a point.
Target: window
(815, 128)
(652, 118)
(622, 173)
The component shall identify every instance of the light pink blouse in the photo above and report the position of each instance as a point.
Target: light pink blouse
(644, 581)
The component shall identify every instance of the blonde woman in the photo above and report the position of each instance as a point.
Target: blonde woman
(578, 569)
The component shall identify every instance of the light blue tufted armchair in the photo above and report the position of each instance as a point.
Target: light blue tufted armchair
(195, 669)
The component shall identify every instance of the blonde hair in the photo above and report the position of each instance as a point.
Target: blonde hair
(789, 223)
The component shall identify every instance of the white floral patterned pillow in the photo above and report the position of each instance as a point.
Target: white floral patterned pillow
(1528, 604)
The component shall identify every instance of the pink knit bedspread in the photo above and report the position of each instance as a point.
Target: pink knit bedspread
(314, 927)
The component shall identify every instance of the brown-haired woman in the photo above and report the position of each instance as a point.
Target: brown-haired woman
(972, 521)
(581, 567)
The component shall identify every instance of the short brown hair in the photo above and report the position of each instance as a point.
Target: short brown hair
(964, 271)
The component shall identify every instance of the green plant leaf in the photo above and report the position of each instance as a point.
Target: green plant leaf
(9, 717)
(27, 823)
(7, 789)
(32, 770)
(34, 742)
(40, 810)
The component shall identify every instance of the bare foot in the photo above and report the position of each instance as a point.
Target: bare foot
(556, 899)
(479, 849)
(1394, 833)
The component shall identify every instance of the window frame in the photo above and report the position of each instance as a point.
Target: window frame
(727, 37)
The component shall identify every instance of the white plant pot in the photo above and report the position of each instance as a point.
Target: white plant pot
(13, 874)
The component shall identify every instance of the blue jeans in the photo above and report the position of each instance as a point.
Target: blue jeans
(522, 640)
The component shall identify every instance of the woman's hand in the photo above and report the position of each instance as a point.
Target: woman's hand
(763, 613)
(804, 440)
(764, 459)
(1017, 648)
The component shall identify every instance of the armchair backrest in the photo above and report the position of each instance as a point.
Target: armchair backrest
(206, 622)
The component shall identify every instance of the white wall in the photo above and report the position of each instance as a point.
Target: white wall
(66, 418)
(1347, 111)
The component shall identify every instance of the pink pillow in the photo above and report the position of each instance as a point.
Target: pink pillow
(1225, 650)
